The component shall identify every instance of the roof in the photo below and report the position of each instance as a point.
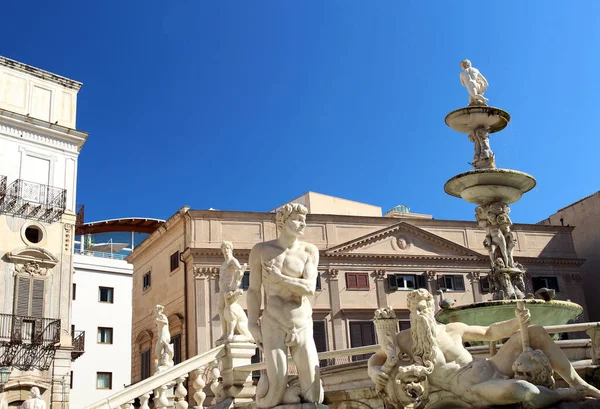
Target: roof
(579, 201)
(131, 224)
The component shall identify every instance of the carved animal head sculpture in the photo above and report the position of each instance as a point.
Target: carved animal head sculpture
(534, 366)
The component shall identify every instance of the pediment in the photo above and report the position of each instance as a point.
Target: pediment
(38, 255)
(403, 239)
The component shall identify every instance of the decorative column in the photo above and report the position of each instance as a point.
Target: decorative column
(380, 288)
(474, 278)
(215, 322)
(432, 285)
(336, 308)
(201, 300)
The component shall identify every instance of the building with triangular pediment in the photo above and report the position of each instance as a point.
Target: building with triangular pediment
(368, 260)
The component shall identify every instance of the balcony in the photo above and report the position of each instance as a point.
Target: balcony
(32, 200)
(78, 344)
(28, 342)
(2, 189)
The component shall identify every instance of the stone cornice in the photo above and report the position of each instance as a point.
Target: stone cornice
(37, 131)
(39, 73)
(406, 228)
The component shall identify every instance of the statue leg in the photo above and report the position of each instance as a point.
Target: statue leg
(307, 361)
(275, 355)
(505, 391)
(221, 309)
(539, 339)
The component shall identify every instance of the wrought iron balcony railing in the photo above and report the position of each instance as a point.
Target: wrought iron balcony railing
(34, 201)
(28, 342)
(2, 189)
(78, 344)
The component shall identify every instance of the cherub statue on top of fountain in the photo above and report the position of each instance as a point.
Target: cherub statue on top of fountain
(476, 84)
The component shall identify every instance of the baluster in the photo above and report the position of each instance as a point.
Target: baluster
(180, 394)
(144, 401)
(160, 397)
(128, 405)
(199, 385)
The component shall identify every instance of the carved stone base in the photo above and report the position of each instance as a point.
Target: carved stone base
(310, 405)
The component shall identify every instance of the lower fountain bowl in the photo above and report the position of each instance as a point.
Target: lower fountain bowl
(482, 186)
(485, 313)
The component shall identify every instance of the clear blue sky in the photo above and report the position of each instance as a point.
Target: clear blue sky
(245, 105)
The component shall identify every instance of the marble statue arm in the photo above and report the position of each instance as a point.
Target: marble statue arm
(494, 332)
(300, 286)
(162, 318)
(253, 300)
(374, 365)
(484, 81)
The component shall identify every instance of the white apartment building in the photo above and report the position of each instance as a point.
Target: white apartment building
(101, 293)
(39, 149)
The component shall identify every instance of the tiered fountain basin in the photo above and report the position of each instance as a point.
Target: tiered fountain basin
(482, 186)
(465, 120)
(485, 313)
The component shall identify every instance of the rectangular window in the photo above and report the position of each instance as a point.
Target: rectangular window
(451, 282)
(404, 324)
(103, 380)
(405, 281)
(484, 284)
(318, 286)
(357, 281)
(176, 341)
(74, 291)
(145, 364)
(545, 282)
(175, 261)
(146, 281)
(362, 333)
(256, 358)
(245, 283)
(105, 335)
(71, 381)
(106, 294)
(320, 337)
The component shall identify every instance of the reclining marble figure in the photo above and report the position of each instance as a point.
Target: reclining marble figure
(286, 268)
(442, 369)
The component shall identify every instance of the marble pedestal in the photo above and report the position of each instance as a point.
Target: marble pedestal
(237, 384)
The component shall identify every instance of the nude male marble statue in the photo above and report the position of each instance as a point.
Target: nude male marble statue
(35, 401)
(164, 349)
(438, 354)
(476, 84)
(286, 268)
(233, 318)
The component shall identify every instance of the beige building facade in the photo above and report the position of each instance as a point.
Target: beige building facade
(39, 149)
(366, 262)
(584, 217)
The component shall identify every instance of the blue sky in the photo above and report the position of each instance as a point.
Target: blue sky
(245, 105)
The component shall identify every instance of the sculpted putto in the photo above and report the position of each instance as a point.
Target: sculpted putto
(233, 318)
(286, 268)
(475, 83)
(443, 370)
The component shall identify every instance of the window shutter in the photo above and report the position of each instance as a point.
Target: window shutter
(37, 298)
(363, 280)
(355, 335)
(318, 284)
(22, 302)
(319, 336)
(368, 333)
(459, 283)
(441, 282)
(421, 282)
(351, 280)
(392, 284)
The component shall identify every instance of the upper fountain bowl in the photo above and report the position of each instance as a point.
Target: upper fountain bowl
(466, 120)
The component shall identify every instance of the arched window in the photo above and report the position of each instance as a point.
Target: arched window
(176, 331)
(144, 344)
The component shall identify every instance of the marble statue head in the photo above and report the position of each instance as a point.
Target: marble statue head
(285, 219)
(423, 328)
(35, 392)
(534, 366)
(226, 247)
(159, 309)
(420, 300)
(464, 64)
